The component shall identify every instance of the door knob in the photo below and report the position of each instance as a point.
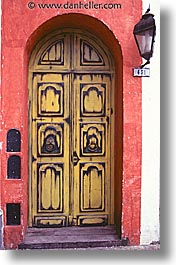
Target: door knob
(75, 158)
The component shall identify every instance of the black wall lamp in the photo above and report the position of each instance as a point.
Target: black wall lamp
(144, 34)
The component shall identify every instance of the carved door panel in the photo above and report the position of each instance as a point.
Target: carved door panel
(92, 149)
(50, 149)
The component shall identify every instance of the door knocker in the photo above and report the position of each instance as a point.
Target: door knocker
(50, 144)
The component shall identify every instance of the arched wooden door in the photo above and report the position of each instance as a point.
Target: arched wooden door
(71, 91)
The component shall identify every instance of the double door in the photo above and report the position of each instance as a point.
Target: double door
(71, 149)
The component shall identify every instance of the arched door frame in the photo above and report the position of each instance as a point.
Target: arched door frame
(101, 32)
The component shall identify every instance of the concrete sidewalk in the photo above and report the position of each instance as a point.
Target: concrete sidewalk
(152, 247)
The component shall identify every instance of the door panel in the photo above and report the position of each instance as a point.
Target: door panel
(89, 54)
(53, 54)
(50, 180)
(50, 149)
(92, 144)
(92, 186)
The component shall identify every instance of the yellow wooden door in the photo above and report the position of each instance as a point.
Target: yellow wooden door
(91, 145)
(71, 143)
(50, 149)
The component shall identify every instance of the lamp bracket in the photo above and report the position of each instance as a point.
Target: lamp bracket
(148, 62)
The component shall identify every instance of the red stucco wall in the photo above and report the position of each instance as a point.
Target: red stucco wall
(19, 23)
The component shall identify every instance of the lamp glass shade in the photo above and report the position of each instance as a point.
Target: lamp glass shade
(144, 33)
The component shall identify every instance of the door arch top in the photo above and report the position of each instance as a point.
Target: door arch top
(55, 51)
(88, 23)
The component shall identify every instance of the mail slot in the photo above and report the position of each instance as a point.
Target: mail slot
(13, 214)
(13, 140)
(14, 167)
